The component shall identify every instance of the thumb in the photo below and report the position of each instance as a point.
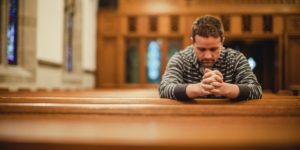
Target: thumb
(206, 70)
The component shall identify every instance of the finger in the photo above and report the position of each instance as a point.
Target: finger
(208, 74)
(211, 73)
(204, 92)
(217, 72)
(215, 92)
(208, 80)
(216, 84)
(214, 78)
(218, 78)
(206, 70)
(207, 87)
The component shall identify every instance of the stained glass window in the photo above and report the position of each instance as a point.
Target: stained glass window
(132, 61)
(12, 32)
(1, 11)
(252, 63)
(69, 45)
(153, 62)
(174, 46)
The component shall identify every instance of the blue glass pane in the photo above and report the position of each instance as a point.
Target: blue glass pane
(132, 62)
(153, 62)
(12, 32)
(69, 49)
(252, 63)
(174, 46)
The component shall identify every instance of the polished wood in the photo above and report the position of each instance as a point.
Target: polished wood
(152, 109)
(148, 132)
(139, 119)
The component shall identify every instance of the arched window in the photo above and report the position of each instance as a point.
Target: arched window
(174, 46)
(12, 32)
(70, 12)
(132, 61)
(153, 62)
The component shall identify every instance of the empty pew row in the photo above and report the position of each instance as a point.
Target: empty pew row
(121, 93)
(58, 131)
(129, 119)
(88, 93)
(145, 102)
(152, 109)
(136, 100)
(133, 103)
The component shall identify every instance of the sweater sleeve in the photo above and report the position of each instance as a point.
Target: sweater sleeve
(172, 85)
(246, 80)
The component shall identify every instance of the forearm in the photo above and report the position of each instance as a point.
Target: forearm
(196, 90)
(249, 91)
(191, 91)
(173, 91)
(231, 91)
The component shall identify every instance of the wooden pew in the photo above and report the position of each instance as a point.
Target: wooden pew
(59, 131)
(138, 119)
(295, 89)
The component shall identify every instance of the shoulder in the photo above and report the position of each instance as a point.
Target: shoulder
(183, 54)
(186, 53)
(232, 54)
(181, 57)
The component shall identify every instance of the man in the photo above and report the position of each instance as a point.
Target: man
(207, 69)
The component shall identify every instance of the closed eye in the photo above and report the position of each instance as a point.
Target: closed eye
(213, 49)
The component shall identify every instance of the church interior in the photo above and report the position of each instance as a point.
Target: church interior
(84, 74)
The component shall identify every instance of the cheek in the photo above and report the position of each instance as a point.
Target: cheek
(199, 54)
(217, 54)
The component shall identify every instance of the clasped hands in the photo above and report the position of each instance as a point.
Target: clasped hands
(212, 83)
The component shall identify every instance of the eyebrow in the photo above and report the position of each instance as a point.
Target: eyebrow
(207, 48)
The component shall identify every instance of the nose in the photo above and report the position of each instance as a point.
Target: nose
(207, 55)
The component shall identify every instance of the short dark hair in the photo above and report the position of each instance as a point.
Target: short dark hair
(206, 26)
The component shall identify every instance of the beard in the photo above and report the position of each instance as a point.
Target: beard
(207, 63)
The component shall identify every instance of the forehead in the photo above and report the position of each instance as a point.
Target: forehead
(207, 41)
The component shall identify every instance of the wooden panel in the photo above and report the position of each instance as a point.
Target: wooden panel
(293, 61)
(120, 62)
(108, 63)
(142, 59)
(257, 25)
(124, 25)
(108, 23)
(293, 24)
(182, 24)
(278, 24)
(164, 24)
(143, 25)
(208, 6)
(235, 25)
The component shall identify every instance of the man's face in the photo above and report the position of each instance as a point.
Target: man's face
(207, 50)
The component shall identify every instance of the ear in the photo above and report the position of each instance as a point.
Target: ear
(223, 39)
(191, 39)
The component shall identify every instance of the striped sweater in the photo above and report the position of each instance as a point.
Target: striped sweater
(184, 68)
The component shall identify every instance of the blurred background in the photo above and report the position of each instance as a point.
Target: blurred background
(94, 44)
